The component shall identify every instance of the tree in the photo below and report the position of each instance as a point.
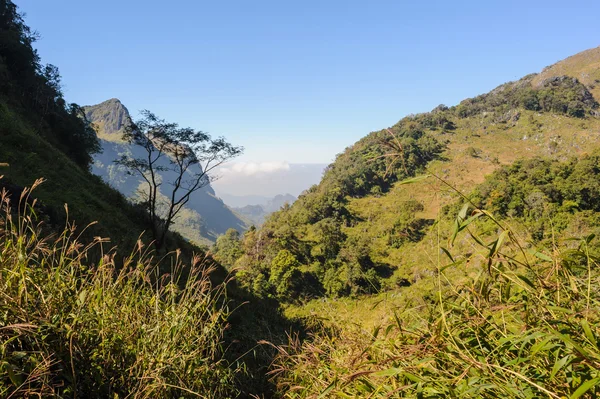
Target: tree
(285, 274)
(36, 91)
(184, 156)
(228, 248)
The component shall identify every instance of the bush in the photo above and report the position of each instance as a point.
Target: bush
(69, 328)
(520, 327)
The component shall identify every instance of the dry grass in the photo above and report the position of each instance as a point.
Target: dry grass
(73, 328)
(525, 325)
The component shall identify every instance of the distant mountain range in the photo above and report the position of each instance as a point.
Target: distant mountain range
(205, 216)
(258, 208)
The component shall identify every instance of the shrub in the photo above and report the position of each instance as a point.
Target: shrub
(69, 328)
(524, 326)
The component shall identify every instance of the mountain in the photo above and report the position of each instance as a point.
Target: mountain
(362, 230)
(451, 257)
(110, 119)
(278, 201)
(203, 219)
(257, 213)
(240, 201)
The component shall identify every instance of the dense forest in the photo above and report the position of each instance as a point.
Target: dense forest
(453, 254)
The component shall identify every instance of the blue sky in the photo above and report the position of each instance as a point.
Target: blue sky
(298, 81)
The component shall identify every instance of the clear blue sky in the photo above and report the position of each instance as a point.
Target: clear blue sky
(298, 81)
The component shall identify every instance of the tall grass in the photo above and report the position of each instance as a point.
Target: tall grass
(523, 324)
(73, 328)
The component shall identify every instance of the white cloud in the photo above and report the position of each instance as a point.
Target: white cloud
(253, 168)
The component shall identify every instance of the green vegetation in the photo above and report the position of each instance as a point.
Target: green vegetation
(351, 234)
(150, 330)
(547, 196)
(507, 310)
(70, 328)
(228, 248)
(523, 325)
(408, 287)
(559, 94)
(34, 90)
(311, 230)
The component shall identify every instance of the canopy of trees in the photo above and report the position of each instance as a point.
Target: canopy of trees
(34, 89)
(303, 250)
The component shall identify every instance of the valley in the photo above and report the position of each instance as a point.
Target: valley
(452, 254)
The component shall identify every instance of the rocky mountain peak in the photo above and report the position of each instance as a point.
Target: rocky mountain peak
(109, 117)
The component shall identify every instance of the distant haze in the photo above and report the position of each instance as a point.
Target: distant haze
(266, 179)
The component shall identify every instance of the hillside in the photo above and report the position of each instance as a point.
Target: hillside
(453, 255)
(361, 230)
(204, 218)
(87, 307)
(44, 137)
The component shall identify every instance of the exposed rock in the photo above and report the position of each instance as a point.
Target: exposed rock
(511, 117)
(204, 216)
(110, 118)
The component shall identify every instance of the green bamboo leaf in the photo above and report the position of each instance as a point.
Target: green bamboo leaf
(414, 179)
(588, 333)
(388, 372)
(462, 214)
(478, 241)
(567, 340)
(447, 254)
(589, 238)
(558, 365)
(526, 280)
(14, 378)
(561, 309)
(398, 322)
(540, 255)
(460, 262)
(495, 248)
(328, 389)
(412, 377)
(583, 388)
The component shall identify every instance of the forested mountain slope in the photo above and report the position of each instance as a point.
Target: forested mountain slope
(204, 217)
(362, 231)
(87, 307)
(462, 266)
(42, 136)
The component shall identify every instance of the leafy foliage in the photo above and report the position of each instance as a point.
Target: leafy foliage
(525, 326)
(560, 95)
(546, 195)
(228, 248)
(35, 89)
(313, 229)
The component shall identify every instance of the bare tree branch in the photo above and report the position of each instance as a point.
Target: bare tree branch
(169, 148)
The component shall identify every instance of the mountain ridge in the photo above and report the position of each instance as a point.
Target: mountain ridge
(360, 230)
(258, 212)
(205, 216)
